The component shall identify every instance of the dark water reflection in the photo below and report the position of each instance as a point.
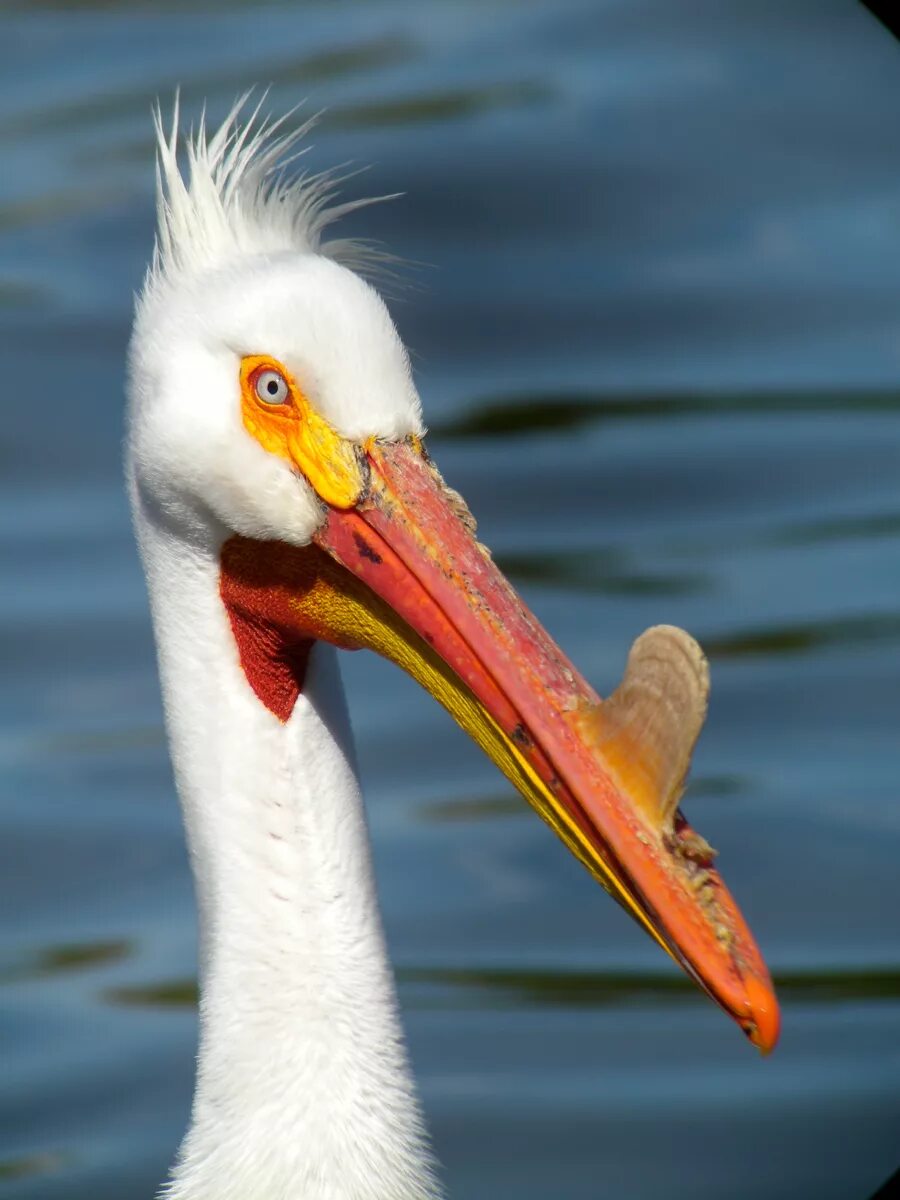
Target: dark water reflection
(658, 340)
(538, 414)
(454, 988)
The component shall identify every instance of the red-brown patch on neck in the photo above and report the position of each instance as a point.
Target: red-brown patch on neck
(273, 656)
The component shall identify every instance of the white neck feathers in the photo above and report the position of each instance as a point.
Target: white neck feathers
(303, 1088)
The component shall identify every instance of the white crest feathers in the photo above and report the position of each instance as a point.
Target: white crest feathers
(234, 197)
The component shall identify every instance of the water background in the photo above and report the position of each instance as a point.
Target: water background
(658, 341)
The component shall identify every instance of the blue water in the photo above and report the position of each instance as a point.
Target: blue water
(658, 339)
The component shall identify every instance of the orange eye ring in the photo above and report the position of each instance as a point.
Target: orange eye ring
(284, 423)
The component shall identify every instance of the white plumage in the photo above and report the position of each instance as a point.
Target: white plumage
(270, 522)
(237, 199)
(303, 1091)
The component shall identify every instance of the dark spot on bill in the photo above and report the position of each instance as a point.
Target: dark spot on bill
(365, 550)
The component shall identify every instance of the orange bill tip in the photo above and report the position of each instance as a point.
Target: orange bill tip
(764, 1023)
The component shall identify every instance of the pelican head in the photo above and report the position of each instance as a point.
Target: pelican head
(309, 344)
(275, 457)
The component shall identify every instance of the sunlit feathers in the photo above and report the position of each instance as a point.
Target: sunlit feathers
(234, 197)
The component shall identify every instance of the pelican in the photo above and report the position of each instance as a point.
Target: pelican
(285, 506)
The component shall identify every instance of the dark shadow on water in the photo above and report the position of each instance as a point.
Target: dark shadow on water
(486, 987)
(544, 412)
(170, 993)
(721, 786)
(510, 988)
(217, 87)
(436, 106)
(502, 806)
(27, 1166)
(602, 572)
(838, 529)
(472, 808)
(845, 633)
(76, 956)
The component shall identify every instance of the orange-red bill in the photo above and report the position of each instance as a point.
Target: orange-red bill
(402, 572)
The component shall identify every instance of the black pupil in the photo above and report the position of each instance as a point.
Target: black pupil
(272, 387)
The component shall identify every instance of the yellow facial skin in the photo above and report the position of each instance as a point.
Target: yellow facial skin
(293, 430)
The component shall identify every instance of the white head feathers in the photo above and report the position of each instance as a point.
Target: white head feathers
(240, 268)
(235, 199)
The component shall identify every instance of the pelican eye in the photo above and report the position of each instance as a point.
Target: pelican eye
(272, 387)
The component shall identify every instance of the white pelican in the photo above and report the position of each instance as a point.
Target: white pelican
(285, 505)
